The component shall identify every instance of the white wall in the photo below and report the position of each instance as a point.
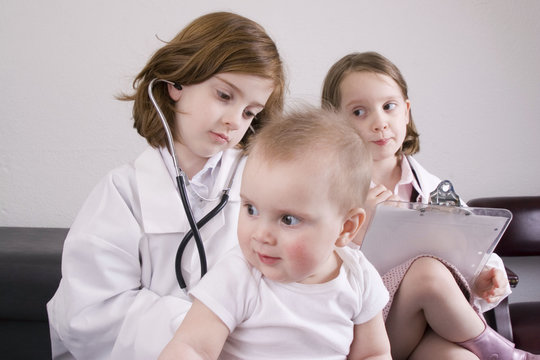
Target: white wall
(471, 65)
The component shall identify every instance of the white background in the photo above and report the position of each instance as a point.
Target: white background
(472, 68)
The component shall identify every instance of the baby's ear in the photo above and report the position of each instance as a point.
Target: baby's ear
(351, 225)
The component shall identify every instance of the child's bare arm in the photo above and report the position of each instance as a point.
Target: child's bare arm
(200, 336)
(370, 340)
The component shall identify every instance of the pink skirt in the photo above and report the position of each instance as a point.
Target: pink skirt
(392, 279)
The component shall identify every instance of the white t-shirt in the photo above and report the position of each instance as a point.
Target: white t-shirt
(272, 320)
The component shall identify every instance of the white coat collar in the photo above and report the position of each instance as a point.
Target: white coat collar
(426, 183)
(161, 206)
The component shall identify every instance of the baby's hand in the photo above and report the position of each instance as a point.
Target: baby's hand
(490, 285)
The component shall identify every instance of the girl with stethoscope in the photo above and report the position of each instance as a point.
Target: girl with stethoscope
(119, 296)
(429, 310)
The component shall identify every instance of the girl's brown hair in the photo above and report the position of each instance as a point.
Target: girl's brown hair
(372, 62)
(214, 43)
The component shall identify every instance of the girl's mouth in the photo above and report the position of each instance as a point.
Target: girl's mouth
(219, 137)
(381, 142)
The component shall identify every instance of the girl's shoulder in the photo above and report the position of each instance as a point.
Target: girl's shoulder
(124, 176)
(123, 181)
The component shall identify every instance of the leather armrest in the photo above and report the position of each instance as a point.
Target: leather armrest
(513, 278)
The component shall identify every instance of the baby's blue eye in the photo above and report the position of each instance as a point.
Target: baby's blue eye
(290, 220)
(359, 112)
(251, 210)
(389, 106)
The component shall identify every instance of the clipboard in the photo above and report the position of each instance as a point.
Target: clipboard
(463, 236)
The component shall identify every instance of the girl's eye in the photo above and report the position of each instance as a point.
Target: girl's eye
(290, 220)
(251, 210)
(359, 112)
(248, 114)
(389, 106)
(223, 95)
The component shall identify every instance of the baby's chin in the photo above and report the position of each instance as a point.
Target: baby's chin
(280, 278)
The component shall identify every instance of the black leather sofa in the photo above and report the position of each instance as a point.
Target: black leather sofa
(29, 274)
(30, 262)
(518, 316)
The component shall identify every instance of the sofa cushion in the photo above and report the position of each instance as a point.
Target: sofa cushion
(30, 270)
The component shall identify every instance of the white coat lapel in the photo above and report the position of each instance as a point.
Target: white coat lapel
(227, 165)
(426, 181)
(161, 206)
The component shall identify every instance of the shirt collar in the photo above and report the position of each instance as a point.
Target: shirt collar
(211, 167)
(406, 183)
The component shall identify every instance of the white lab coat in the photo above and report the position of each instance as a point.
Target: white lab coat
(119, 297)
(429, 182)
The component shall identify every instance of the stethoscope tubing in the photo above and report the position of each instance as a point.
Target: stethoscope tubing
(179, 172)
(194, 229)
(189, 235)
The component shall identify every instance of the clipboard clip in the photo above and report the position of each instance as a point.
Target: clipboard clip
(444, 194)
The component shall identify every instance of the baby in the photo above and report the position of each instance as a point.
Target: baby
(293, 289)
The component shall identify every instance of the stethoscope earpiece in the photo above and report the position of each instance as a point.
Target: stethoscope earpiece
(182, 181)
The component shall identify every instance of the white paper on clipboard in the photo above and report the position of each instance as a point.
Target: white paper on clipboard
(463, 236)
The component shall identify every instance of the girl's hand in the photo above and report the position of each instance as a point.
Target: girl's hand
(375, 195)
(490, 285)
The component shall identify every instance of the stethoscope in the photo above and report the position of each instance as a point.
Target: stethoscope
(182, 181)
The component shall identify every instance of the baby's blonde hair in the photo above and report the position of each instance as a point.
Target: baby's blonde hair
(312, 134)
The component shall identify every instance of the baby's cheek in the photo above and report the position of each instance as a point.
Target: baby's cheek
(301, 257)
(243, 233)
